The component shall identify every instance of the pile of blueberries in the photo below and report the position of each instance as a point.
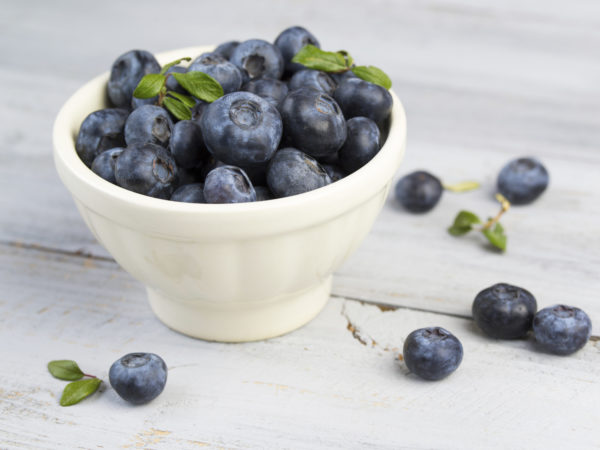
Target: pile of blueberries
(278, 130)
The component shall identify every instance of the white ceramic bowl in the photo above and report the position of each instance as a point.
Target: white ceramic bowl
(231, 272)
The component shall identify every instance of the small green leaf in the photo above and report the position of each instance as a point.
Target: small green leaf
(496, 236)
(149, 86)
(313, 57)
(349, 59)
(173, 63)
(65, 369)
(463, 186)
(78, 390)
(463, 223)
(373, 75)
(185, 99)
(177, 108)
(200, 85)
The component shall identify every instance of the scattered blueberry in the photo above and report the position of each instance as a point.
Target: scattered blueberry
(189, 193)
(126, 73)
(100, 130)
(419, 191)
(313, 79)
(362, 144)
(138, 377)
(561, 329)
(359, 98)
(186, 144)
(274, 91)
(148, 123)
(432, 353)
(259, 58)
(226, 49)
(228, 184)
(292, 172)
(504, 311)
(104, 164)
(226, 73)
(523, 180)
(290, 41)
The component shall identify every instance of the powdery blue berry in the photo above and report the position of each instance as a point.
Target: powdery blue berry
(148, 123)
(189, 193)
(228, 184)
(290, 41)
(419, 191)
(561, 329)
(215, 65)
(523, 180)
(126, 73)
(226, 49)
(292, 172)
(100, 131)
(274, 91)
(359, 98)
(187, 145)
(104, 164)
(259, 58)
(138, 377)
(361, 145)
(314, 79)
(432, 353)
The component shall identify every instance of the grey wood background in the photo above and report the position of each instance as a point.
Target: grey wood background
(482, 82)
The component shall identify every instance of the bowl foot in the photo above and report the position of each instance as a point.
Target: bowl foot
(240, 321)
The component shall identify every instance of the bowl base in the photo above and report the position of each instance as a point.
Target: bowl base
(240, 322)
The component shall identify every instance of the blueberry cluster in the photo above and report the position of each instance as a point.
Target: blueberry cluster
(279, 129)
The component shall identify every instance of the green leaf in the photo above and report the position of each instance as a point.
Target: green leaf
(78, 390)
(463, 223)
(177, 108)
(373, 75)
(463, 186)
(349, 59)
(200, 85)
(496, 236)
(185, 99)
(65, 369)
(173, 63)
(149, 86)
(313, 57)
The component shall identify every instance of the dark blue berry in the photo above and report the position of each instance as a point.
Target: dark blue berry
(241, 129)
(362, 144)
(263, 193)
(313, 122)
(189, 193)
(314, 79)
(228, 184)
(104, 164)
(147, 169)
(226, 49)
(523, 180)
(340, 77)
(100, 130)
(432, 353)
(138, 377)
(259, 58)
(226, 73)
(137, 102)
(335, 172)
(561, 329)
(274, 91)
(504, 311)
(198, 110)
(359, 98)
(148, 123)
(186, 144)
(290, 41)
(126, 73)
(292, 172)
(419, 191)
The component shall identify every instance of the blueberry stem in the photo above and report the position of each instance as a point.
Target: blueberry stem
(88, 375)
(505, 206)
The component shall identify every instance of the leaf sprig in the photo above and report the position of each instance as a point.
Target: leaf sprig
(313, 57)
(78, 389)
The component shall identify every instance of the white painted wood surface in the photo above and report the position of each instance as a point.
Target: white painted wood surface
(482, 82)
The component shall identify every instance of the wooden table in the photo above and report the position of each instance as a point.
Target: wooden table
(482, 83)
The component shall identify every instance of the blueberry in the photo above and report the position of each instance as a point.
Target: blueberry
(259, 58)
(523, 180)
(362, 144)
(186, 144)
(561, 329)
(274, 91)
(227, 74)
(340, 77)
(198, 110)
(126, 73)
(226, 49)
(138, 377)
(241, 129)
(189, 193)
(357, 98)
(290, 41)
(172, 83)
(263, 193)
(419, 191)
(148, 123)
(314, 79)
(432, 353)
(334, 171)
(100, 130)
(147, 169)
(292, 172)
(504, 311)
(313, 122)
(104, 164)
(137, 102)
(228, 184)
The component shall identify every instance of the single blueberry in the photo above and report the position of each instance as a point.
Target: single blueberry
(126, 73)
(147, 169)
(274, 91)
(138, 377)
(189, 193)
(241, 129)
(228, 184)
(419, 191)
(226, 49)
(334, 171)
(263, 193)
(561, 329)
(313, 79)
(523, 180)
(259, 58)
(226, 73)
(504, 311)
(100, 131)
(187, 145)
(290, 41)
(357, 98)
(362, 144)
(432, 353)
(313, 122)
(148, 123)
(104, 164)
(292, 172)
